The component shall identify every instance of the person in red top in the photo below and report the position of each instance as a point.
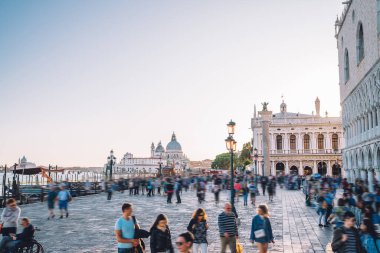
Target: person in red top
(237, 188)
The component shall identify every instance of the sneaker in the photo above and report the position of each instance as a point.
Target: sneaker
(320, 225)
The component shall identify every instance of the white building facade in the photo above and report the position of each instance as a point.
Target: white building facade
(357, 34)
(300, 143)
(172, 156)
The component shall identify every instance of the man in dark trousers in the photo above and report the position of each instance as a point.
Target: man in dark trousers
(264, 182)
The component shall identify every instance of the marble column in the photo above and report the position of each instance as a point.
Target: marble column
(348, 176)
(315, 169)
(370, 180)
(300, 169)
(273, 172)
(378, 174)
(287, 167)
(266, 117)
(329, 169)
(363, 174)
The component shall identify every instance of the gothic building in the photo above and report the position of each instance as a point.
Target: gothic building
(300, 143)
(357, 34)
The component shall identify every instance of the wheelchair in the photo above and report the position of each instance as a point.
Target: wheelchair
(32, 247)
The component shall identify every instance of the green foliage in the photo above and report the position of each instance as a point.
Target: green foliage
(221, 161)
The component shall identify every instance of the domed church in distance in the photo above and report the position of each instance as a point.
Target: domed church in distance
(172, 156)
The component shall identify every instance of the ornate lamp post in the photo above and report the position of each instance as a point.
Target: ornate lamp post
(231, 147)
(111, 160)
(255, 157)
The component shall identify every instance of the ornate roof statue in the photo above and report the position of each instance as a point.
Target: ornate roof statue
(173, 145)
(265, 106)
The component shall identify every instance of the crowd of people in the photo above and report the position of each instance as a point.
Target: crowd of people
(129, 234)
(350, 208)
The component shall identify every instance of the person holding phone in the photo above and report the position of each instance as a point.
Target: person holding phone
(261, 230)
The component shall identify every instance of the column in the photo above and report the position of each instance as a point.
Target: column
(266, 117)
(315, 169)
(370, 180)
(329, 169)
(273, 169)
(286, 143)
(299, 143)
(300, 169)
(347, 175)
(328, 141)
(370, 120)
(378, 174)
(363, 174)
(287, 167)
(378, 115)
(272, 140)
(313, 142)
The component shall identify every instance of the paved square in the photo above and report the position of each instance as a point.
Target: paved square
(90, 225)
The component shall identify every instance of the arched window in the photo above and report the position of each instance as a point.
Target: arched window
(346, 66)
(360, 43)
(279, 142)
(293, 142)
(306, 142)
(335, 142)
(321, 140)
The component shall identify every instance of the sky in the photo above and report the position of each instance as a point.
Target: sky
(79, 78)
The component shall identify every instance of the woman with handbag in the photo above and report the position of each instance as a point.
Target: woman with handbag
(160, 238)
(261, 231)
(198, 227)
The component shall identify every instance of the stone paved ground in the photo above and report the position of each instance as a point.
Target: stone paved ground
(90, 225)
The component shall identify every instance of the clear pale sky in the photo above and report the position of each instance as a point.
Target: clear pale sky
(79, 78)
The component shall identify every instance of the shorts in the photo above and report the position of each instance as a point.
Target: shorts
(51, 204)
(63, 204)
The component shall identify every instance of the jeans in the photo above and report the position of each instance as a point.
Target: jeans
(245, 199)
(230, 241)
(322, 216)
(178, 196)
(169, 199)
(120, 250)
(8, 245)
(202, 247)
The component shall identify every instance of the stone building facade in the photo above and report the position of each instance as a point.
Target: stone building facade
(357, 34)
(300, 143)
(171, 157)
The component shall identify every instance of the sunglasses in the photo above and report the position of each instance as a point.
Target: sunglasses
(179, 243)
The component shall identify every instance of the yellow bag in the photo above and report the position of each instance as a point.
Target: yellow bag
(239, 247)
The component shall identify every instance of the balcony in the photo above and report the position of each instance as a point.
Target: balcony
(305, 151)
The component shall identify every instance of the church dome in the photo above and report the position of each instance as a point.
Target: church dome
(160, 148)
(23, 160)
(173, 145)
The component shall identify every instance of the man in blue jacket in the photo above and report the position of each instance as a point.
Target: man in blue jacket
(11, 243)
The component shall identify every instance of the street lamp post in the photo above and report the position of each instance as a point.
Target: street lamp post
(231, 147)
(111, 161)
(255, 156)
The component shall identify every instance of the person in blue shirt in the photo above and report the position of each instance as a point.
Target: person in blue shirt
(63, 197)
(261, 230)
(369, 237)
(125, 230)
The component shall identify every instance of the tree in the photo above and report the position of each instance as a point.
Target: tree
(221, 161)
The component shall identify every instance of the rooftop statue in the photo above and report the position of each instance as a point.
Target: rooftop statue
(265, 106)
